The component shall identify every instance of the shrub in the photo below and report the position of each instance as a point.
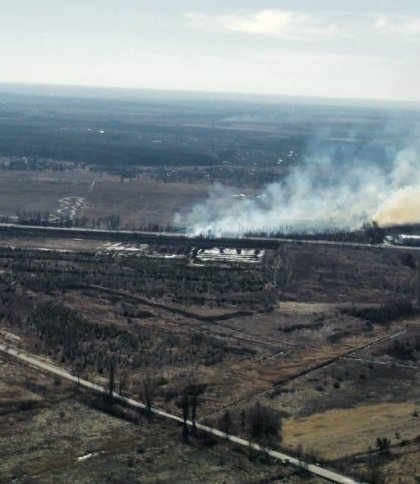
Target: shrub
(383, 444)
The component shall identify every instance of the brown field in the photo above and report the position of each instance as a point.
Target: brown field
(56, 436)
(305, 346)
(293, 333)
(337, 433)
(140, 201)
(40, 191)
(137, 201)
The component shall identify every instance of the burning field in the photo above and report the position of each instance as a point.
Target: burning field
(318, 195)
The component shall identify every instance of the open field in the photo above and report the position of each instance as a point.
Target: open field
(139, 202)
(334, 433)
(308, 347)
(296, 332)
(40, 191)
(59, 436)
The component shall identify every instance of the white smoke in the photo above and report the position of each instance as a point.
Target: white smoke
(318, 195)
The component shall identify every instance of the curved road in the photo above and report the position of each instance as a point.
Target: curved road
(284, 458)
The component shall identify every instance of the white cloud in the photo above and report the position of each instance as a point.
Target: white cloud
(272, 23)
(398, 25)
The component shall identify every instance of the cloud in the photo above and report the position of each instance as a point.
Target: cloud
(282, 24)
(397, 25)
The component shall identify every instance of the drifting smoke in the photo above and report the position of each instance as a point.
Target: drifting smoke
(321, 194)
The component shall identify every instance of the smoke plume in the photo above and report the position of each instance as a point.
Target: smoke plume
(319, 194)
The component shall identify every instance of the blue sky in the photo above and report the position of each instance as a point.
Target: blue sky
(333, 48)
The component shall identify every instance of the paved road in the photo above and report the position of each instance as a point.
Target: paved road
(162, 236)
(284, 458)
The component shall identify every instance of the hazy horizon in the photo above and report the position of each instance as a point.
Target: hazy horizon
(155, 94)
(334, 50)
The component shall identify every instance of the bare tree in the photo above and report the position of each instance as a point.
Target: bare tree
(383, 444)
(79, 368)
(149, 391)
(190, 400)
(112, 366)
(225, 423)
(112, 222)
(122, 381)
(263, 421)
(243, 420)
(185, 406)
(195, 402)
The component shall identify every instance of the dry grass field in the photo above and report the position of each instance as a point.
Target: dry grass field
(137, 201)
(339, 432)
(304, 332)
(52, 435)
(306, 346)
(141, 201)
(40, 191)
(334, 435)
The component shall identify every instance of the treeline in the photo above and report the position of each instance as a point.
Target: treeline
(164, 234)
(385, 314)
(369, 233)
(329, 235)
(257, 421)
(111, 222)
(25, 163)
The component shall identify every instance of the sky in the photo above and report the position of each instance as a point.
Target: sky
(324, 48)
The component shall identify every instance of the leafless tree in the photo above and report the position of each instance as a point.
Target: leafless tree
(112, 222)
(225, 423)
(195, 402)
(122, 381)
(243, 420)
(112, 367)
(79, 368)
(185, 406)
(149, 388)
(263, 421)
